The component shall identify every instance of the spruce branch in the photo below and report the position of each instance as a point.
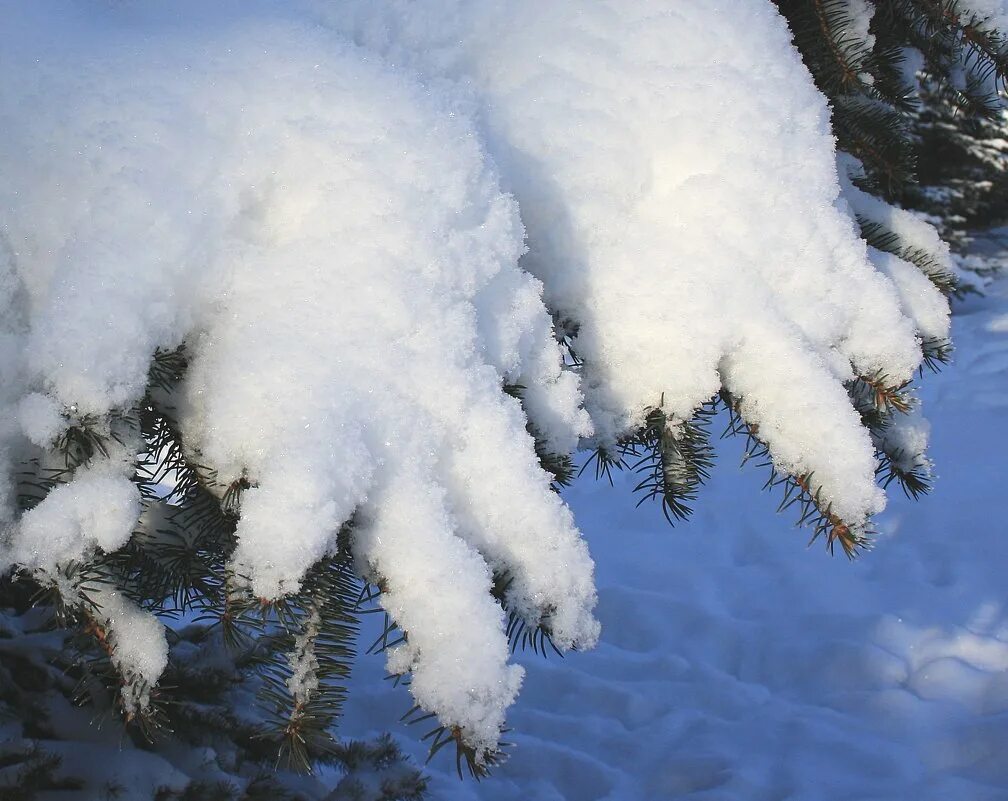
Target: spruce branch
(877, 392)
(478, 764)
(800, 492)
(672, 457)
(911, 470)
(882, 238)
(522, 633)
(309, 657)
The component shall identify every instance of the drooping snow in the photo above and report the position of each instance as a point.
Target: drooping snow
(921, 300)
(338, 233)
(330, 239)
(40, 418)
(675, 172)
(137, 645)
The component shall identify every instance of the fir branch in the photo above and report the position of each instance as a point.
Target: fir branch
(520, 632)
(478, 764)
(912, 471)
(26, 770)
(937, 352)
(799, 492)
(877, 392)
(877, 135)
(605, 460)
(309, 659)
(837, 61)
(915, 480)
(672, 457)
(882, 238)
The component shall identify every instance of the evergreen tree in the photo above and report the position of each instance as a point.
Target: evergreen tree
(197, 513)
(962, 185)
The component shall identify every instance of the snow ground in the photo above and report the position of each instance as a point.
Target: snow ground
(734, 663)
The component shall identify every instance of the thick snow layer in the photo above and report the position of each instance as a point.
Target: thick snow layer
(335, 233)
(734, 664)
(676, 176)
(330, 239)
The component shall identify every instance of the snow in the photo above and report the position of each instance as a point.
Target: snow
(691, 232)
(303, 682)
(736, 664)
(992, 13)
(330, 238)
(920, 298)
(41, 418)
(860, 13)
(139, 649)
(914, 233)
(355, 242)
(97, 510)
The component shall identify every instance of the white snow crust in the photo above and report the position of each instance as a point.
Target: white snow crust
(330, 238)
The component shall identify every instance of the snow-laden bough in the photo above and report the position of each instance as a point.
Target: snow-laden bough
(329, 238)
(333, 230)
(677, 178)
